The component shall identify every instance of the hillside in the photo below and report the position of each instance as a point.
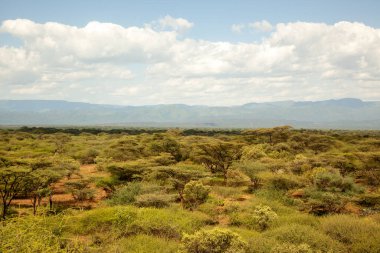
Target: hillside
(345, 113)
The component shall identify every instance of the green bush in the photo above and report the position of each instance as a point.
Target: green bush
(263, 216)
(164, 159)
(37, 234)
(227, 192)
(291, 248)
(254, 152)
(102, 163)
(126, 220)
(369, 200)
(259, 218)
(360, 234)
(301, 234)
(213, 241)
(158, 200)
(126, 194)
(322, 203)
(129, 171)
(332, 181)
(285, 182)
(252, 169)
(80, 190)
(108, 184)
(237, 178)
(88, 156)
(142, 244)
(194, 194)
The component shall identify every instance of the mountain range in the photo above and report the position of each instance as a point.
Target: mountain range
(347, 113)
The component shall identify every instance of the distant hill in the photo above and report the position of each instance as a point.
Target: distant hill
(347, 113)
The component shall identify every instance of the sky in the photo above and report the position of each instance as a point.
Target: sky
(189, 52)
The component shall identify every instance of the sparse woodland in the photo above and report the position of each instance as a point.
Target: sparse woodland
(189, 190)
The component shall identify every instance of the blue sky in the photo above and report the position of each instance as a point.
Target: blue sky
(212, 18)
(198, 52)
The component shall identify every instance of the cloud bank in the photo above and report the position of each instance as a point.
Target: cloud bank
(108, 63)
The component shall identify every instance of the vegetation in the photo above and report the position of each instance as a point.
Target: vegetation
(207, 191)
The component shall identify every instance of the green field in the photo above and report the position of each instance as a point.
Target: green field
(189, 190)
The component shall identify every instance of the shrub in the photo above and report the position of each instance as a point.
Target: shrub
(127, 220)
(284, 182)
(126, 172)
(254, 152)
(125, 195)
(321, 203)
(259, 218)
(37, 234)
(301, 234)
(252, 169)
(194, 194)
(107, 184)
(153, 200)
(332, 181)
(237, 178)
(213, 241)
(226, 192)
(143, 244)
(88, 157)
(260, 244)
(369, 200)
(102, 163)
(360, 234)
(164, 159)
(300, 164)
(263, 216)
(80, 190)
(292, 248)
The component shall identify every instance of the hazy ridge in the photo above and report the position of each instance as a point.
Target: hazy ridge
(347, 113)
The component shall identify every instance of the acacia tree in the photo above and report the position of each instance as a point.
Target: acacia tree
(177, 178)
(274, 135)
(218, 156)
(13, 182)
(39, 183)
(31, 179)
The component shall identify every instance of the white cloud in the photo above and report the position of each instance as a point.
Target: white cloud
(237, 28)
(108, 63)
(177, 24)
(263, 26)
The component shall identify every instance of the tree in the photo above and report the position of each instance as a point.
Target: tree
(167, 145)
(177, 178)
(39, 182)
(274, 135)
(13, 182)
(31, 179)
(252, 170)
(218, 156)
(80, 190)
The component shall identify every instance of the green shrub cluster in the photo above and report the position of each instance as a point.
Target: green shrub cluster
(213, 241)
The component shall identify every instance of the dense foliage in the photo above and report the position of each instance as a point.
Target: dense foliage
(194, 190)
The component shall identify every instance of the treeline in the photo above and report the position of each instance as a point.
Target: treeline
(132, 131)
